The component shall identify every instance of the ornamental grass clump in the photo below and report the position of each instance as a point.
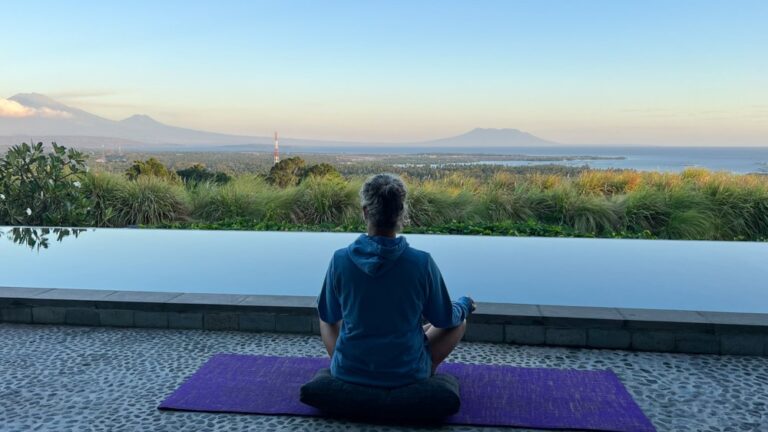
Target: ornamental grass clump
(430, 204)
(646, 210)
(239, 198)
(104, 190)
(690, 216)
(497, 203)
(587, 214)
(738, 206)
(150, 201)
(325, 199)
(608, 182)
(546, 182)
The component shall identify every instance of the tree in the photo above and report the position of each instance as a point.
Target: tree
(287, 172)
(321, 170)
(150, 167)
(292, 171)
(42, 188)
(198, 173)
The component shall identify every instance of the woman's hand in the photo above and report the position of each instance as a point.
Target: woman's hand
(468, 302)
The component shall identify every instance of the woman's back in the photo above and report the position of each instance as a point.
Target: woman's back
(381, 287)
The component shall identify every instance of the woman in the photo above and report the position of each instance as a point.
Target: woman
(375, 294)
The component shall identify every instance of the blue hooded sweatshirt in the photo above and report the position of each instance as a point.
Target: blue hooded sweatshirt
(381, 287)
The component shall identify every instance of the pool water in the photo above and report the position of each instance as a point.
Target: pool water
(659, 274)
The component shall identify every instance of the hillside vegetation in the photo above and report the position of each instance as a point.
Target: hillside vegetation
(694, 204)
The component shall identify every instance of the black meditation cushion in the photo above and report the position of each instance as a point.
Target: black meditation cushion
(425, 401)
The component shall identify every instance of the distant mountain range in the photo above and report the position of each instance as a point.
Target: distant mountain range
(480, 137)
(36, 117)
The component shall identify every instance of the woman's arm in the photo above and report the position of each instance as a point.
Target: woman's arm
(439, 310)
(329, 333)
(329, 311)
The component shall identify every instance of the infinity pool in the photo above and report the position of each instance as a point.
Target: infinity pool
(683, 275)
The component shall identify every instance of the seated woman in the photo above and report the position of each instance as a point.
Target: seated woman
(374, 296)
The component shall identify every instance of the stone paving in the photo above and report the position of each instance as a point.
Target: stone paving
(69, 378)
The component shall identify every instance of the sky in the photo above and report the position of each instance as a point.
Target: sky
(653, 72)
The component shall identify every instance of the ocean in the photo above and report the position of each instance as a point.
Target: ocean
(643, 158)
(670, 159)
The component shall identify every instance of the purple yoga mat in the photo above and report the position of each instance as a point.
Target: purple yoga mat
(490, 395)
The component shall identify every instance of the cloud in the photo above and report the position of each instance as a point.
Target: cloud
(13, 109)
(52, 113)
(9, 108)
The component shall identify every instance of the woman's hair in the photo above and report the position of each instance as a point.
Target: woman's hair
(383, 197)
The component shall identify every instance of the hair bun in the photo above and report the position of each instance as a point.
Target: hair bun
(383, 195)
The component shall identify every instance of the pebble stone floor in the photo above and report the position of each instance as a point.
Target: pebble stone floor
(69, 378)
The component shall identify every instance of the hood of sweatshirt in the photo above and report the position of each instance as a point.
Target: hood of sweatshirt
(376, 255)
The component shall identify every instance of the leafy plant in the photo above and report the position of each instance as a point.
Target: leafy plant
(43, 188)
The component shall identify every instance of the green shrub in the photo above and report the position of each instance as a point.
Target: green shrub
(646, 210)
(287, 172)
(691, 216)
(198, 173)
(322, 200)
(607, 182)
(294, 170)
(237, 199)
(498, 204)
(430, 204)
(104, 191)
(593, 215)
(42, 188)
(148, 201)
(694, 204)
(589, 214)
(150, 168)
(321, 170)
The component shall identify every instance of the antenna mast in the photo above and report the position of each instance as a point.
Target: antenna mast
(277, 150)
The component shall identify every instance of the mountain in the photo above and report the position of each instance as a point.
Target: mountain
(146, 129)
(491, 138)
(36, 117)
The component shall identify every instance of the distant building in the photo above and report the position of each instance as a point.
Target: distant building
(111, 157)
(116, 158)
(103, 157)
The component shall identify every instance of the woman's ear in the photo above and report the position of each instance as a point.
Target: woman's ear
(365, 212)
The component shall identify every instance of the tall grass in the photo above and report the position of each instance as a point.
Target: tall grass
(144, 201)
(321, 200)
(439, 202)
(103, 190)
(240, 198)
(694, 204)
(150, 201)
